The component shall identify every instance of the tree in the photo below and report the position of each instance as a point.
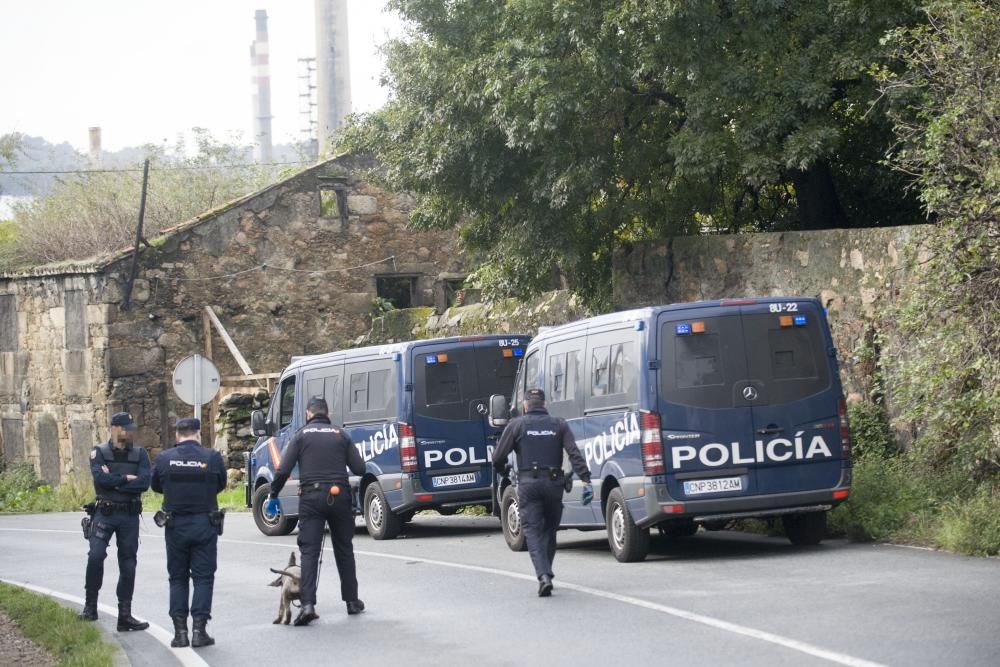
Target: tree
(93, 214)
(10, 144)
(945, 103)
(552, 132)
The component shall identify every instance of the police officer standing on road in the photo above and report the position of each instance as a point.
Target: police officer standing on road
(190, 477)
(121, 473)
(539, 441)
(323, 454)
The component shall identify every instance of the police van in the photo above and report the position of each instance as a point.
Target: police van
(417, 412)
(693, 414)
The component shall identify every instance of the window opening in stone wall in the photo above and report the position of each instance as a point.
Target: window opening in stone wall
(75, 308)
(400, 291)
(8, 323)
(454, 291)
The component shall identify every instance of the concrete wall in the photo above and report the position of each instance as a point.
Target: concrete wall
(854, 272)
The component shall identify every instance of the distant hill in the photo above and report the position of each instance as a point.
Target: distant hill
(37, 154)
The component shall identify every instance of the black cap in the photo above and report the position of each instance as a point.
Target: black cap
(188, 424)
(124, 420)
(534, 395)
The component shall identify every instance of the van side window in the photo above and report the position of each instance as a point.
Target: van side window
(287, 402)
(698, 363)
(619, 367)
(379, 391)
(331, 391)
(359, 392)
(531, 365)
(371, 391)
(314, 388)
(555, 390)
(599, 372)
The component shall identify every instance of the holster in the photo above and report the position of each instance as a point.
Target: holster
(217, 519)
(87, 524)
(568, 482)
(163, 519)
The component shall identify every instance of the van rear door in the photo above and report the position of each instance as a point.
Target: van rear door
(707, 426)
(793, 396)
(452, 383)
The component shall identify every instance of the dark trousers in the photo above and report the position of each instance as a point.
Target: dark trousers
(539, 504)
(192, 546)
(125, 528)
(314, 513)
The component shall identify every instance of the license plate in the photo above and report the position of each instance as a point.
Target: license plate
(720, 485)
(454, 480)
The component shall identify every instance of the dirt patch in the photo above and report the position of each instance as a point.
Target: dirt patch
(16, 649)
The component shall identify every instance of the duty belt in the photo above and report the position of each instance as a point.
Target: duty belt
(315, 486)
(108, 506)
(552, 472)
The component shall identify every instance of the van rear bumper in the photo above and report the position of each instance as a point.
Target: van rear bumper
(652, 508)
(411, 495)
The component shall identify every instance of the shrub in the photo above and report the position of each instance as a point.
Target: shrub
(972, 526)
(871, 434)
(884, 500)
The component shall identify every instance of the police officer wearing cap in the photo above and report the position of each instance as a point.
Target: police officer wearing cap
(323, 454)
(190, 477)
(121, 473)
(539, 441)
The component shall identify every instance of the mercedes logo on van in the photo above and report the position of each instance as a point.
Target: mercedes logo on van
(481, 408)
(749, 393)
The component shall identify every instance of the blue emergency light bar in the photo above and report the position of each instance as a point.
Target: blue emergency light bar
(432, 359)
(518, 352)
(683, 329)
(800, 320)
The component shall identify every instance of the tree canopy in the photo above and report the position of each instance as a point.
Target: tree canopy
(552, 131)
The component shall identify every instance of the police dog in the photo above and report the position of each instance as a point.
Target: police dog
(288, 582)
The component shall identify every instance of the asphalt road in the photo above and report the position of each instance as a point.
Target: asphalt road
(450, 592)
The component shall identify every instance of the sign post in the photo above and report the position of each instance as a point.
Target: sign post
(196, 381)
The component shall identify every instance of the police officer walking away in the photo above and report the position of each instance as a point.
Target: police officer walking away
(539, 441)
(121, 474)
(190, 477)
(323, 454)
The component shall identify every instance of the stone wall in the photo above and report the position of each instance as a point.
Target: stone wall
(853, 272)
(289, 270)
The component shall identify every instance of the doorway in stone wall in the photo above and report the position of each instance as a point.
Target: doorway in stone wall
(400, 291)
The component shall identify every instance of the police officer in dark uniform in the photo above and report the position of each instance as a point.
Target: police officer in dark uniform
(121, 473)
(323, 454)
(190, 477)
(539, 441)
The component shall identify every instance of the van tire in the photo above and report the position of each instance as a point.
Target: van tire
(276, 527)
(382, 523)
(629, 543)
(510, 519)
(805, 529)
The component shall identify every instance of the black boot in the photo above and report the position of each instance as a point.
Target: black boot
(355, 607)
(180, 639)
(125, 620)
(544, 586)
(199, 636)
(89, 612)
(307, 615)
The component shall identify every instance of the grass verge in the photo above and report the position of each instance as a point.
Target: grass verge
(56, 628)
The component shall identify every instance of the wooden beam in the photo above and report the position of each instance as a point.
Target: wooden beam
(244, 366)
(245, 378)
(213, 408)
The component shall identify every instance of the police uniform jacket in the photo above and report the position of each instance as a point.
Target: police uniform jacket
(112, 485)
(190, 477)
(539, 439)
(323, 453)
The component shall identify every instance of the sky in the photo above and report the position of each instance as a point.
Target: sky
(146, 71)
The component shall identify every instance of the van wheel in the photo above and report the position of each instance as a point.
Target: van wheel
(381, 522)
(629, 543)
(510, 519)
(805, 529)
(272, 526)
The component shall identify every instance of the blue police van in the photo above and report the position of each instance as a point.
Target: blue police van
(693, 414)
(417, 412)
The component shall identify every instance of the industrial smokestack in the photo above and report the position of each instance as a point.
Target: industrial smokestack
(95, 145)
(333, 70)
(260, 82)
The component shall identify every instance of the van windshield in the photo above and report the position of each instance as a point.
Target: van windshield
(702, 367)
(447, 382)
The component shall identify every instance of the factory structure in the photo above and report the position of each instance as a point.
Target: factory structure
(325, 82)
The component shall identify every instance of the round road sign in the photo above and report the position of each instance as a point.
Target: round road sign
(196, 380)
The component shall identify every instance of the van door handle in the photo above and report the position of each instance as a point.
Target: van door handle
(770, 429)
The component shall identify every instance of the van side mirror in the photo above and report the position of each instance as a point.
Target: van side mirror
(498, 410)
(259, 424)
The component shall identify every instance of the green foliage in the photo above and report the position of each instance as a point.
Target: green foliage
(972, 525)
(885, 500)
(871, 434)
(553, 133)
(94, 214)
(56, 629)
(22, 491)
(231, 500)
